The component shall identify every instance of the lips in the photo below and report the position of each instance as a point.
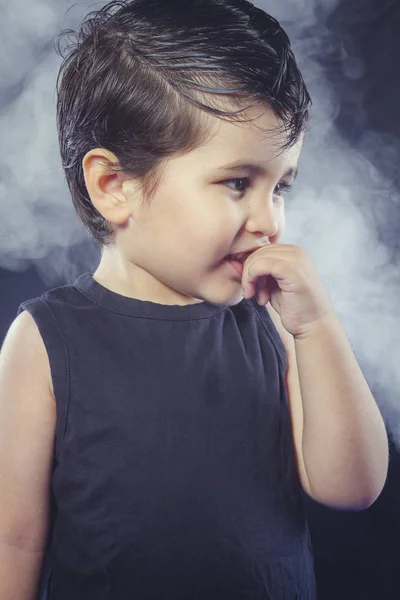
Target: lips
(241, 256)
(238, 257)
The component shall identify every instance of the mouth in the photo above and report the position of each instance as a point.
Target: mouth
(241, 257)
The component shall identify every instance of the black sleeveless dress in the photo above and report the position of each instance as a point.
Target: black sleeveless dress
(174, 466)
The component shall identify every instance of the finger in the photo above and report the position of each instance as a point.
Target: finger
(250, 290)
(258, 289)
(262, 295)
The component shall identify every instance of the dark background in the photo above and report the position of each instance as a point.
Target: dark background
(356, 553)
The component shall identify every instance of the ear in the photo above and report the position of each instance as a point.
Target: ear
(107, 190)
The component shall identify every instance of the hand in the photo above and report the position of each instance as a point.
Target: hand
(285, 276)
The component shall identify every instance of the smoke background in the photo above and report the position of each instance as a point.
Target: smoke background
(344, 211)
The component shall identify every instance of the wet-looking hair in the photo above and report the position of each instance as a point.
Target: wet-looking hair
(139, 78)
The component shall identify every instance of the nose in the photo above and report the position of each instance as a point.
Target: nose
(269, 221)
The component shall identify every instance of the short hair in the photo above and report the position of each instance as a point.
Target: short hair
(137, 75)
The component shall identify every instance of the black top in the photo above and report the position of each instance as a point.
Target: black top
(174, 465)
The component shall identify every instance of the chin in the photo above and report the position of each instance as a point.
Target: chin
(230, 301)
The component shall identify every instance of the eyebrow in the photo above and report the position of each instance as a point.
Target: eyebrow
(255, 169)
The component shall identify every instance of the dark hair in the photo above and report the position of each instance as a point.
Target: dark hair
(134, 81)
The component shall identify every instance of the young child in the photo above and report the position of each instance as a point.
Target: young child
(151, 416)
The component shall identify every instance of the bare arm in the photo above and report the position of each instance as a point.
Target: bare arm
(345, 445)
(27, 427)
(20, 571)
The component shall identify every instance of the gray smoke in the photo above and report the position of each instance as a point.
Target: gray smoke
(338, 213)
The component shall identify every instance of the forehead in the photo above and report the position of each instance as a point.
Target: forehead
(257, 142)
(262, 131)
(259, 139)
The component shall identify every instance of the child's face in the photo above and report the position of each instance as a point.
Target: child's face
(174, 251)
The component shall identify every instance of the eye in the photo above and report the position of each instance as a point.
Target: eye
(284, 187)
(245, 179)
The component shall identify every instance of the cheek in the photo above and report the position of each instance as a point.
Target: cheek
(202, 228)
(214, 228)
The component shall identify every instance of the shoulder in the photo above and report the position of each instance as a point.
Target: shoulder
(24, 349)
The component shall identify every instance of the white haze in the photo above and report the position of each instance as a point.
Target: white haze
(337, 213)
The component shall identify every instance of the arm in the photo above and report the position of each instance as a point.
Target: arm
(20, 571)
(27, 425)
(345, 445)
